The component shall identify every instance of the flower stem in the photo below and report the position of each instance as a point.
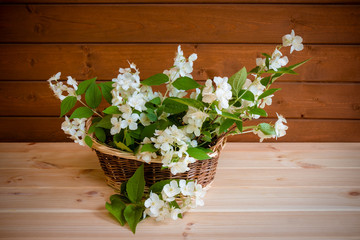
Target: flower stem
(90, 108)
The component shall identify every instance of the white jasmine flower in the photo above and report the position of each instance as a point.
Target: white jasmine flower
(184, 67)
(130, 121)
(75, 128)
(262, 135)
(208, 95)
(194, 118)
(144, 119)
(199, 195)
(277, 61)
(127, 79)
(170, 191)
(266, 101)
(126, 111)
(174, 92)
(187, 189)
(260, 62)
(137, 101)
(178, 167)
(116, 97)
(116, 125)
(154, 203)
(294, 41)
(72, 82)
(223, 92)
(59, 88)
(146, 156)
(195, 94)
(175, 213)
(280, 127)
(163, 213)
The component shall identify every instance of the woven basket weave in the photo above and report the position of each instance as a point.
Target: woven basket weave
(119, 166)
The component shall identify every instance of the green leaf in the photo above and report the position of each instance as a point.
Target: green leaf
(91, 129)
(283, 71)
(135, 185)
(93, 95)
(266, 55)
(105, 122)
(230, 116)
(186, 83)
(67, 104)
(88, 141)
(268, 93)
(83, 86)
(156, 80)
(255, 69)
(112, 110)
(151, 115)
(247, 95)
(116, 208)
(239, 125)
(237, 81)
(187, 101)
(156, 101)
(106, 88)
(148, 148)
(267, 62)
(133, 216)
(206, 150)
(122, 146)
(206, 136)
(158, 186)
(225, 125)
(265, 81)
(128, 140)
(82, 112)
(100, 134)
(267, 129)
(258, 111)
(292, 67)
(148, 131)
(173, 107)
(197, 153)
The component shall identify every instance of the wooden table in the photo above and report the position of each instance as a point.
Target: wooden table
(262, 191)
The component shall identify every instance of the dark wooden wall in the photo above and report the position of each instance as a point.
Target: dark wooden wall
(87, 38)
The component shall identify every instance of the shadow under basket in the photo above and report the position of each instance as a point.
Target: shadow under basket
(119, 166)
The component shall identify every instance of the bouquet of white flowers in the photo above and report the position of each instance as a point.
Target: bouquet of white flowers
(167, 129)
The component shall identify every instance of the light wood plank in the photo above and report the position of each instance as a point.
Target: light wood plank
(225, 177)
(218, 199)
(193, 226)
(178, 23)
(84, 61)
(234, 155)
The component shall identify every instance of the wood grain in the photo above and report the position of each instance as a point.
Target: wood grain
(295, 100)
(47, 129)
(40, 61)
(179, 23)
(235, 155)
(49, 178)
(279, 225)
(218, 199)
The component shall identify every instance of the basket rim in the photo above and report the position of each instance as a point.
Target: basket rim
(101, 147)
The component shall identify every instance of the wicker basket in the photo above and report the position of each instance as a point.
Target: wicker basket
(119, 166)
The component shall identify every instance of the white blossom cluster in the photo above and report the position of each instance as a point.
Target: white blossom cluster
(222, 94)
(128, 95)
(182, 68)
(277, 60)
(75, 128)
(194, 119)
(187, 196)
(59, 88)
(173, 144)
(280, 129)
